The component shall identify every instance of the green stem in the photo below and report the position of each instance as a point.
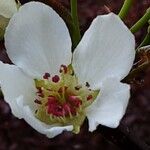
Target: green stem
(74, 14)
(125, 8)
(141, 22)
(146, 41)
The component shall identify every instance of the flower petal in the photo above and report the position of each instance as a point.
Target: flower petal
(7, 8)
(14, 83)
(106, 50)
(28, 116)
(19, 92)
(110, 106)
(41, 42)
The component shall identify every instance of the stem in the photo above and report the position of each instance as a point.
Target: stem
(141, 22)
(74, 14)
(125, 8)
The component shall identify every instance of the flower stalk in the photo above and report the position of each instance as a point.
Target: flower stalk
(74, 14)
(137, 26)
(125, 8)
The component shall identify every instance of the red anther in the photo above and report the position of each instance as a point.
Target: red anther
(46, 75)
(63, 68)
(55, 78)
(38, 102)
(75, 101)
(89, 97)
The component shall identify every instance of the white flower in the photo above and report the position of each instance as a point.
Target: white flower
(37, 41)
(7, 9)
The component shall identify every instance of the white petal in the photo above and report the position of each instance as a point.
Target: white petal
(106, 50)
(37, 40)
(7, 8)
(15, 83)
(110, 106)
(28, 116)
(19, 92)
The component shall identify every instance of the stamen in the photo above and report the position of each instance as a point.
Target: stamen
(63, 68)
(87, 84)
(46, 75)
(55, 78)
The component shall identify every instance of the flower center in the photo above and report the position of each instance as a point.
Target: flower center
(62, 100)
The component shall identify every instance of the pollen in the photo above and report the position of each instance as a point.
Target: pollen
(62, 100)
